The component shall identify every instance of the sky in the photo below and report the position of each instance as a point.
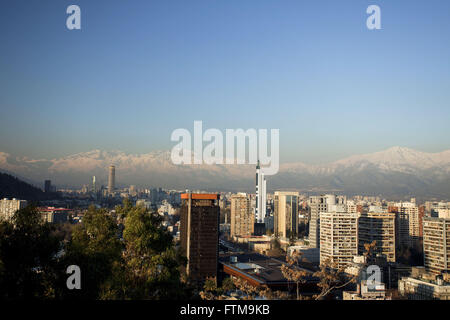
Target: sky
(137, 70)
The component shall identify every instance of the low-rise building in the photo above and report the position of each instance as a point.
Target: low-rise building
(55, 215)
(259, 270)
(309, 254)
(367, 290)
(425, 286)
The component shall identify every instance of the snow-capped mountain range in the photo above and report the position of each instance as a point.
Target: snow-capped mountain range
(397, 170)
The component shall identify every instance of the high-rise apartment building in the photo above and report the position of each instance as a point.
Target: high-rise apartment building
(261, 195)
(242, 218)
(199, 234)
(9, 207)
(379, 227)
(436, 244)
(286, 214)
(338, 236)
(409, 223)
(318, 204)
(112, 179)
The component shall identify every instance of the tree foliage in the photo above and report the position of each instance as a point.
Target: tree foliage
(333, 277)
(28, 257)
(151, 260)
(126, 254)
(292, 271)
(96, 248)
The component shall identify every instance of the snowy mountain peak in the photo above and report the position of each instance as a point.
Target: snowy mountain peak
(396, 158)
(375, 171)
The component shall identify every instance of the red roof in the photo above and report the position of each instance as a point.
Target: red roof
(201, 196)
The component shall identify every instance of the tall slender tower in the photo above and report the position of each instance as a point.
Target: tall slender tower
(94, 187)
(112, 179)
(260, 194)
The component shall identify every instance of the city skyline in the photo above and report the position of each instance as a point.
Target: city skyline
(395, 172)
(201, 151)
(119, 82)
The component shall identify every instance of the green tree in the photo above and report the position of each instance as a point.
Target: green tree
(96, 248)
(144, 264)
(152, 262)
(28, 255)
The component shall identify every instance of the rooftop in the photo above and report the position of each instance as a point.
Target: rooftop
(260, 268)
(201, 196)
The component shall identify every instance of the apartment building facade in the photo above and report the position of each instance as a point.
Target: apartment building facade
(9, 206)
(436, 244)
(408, 223)
(316, 205)
(242, 218)
(378, 227)
(338, 237)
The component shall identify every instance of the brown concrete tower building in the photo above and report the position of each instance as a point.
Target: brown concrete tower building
(199, 234)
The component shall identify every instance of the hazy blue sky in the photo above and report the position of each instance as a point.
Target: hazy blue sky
(140, 69)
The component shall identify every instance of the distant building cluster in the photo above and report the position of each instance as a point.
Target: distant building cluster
(8, 207)
(248, 235)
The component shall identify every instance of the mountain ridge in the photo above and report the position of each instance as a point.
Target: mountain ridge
(398, 170)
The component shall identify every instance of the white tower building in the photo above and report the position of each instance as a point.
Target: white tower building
(261, 199)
